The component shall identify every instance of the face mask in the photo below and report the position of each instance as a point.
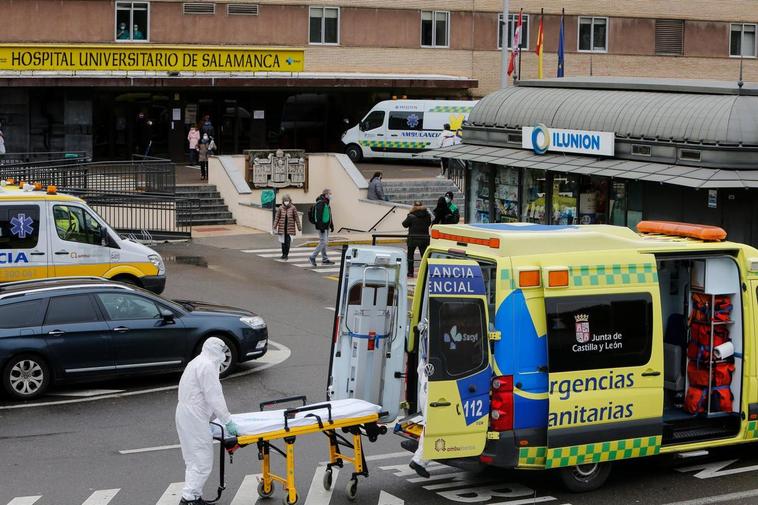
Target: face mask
(205, 137)
(447, 200)
(286, 203)
(330, 196)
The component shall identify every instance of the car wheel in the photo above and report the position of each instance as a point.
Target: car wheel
(354, 152)
(26, 376)
(230, 355)
(583, 478)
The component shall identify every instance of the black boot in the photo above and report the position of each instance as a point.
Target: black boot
(420, 470)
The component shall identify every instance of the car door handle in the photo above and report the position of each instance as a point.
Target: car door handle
(120, 329)
(37, 253)
(59, 253)
(55, 333)
(440, 404)
(380, 134)
(650, 373)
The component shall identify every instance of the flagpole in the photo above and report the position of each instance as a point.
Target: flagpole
(520, 40)
(504, 50)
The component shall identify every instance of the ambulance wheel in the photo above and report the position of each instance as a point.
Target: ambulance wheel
(354, 152)
(328, 479)
(286, 499)
(262, 493)
(352, 489)
(26, 376)
(583, 478)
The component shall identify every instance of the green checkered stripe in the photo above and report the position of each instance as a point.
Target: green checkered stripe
(396, 144)
(532, 456)
(602, 451)
(752, 429)
(451, 108)
(507, 278)
(609, 275)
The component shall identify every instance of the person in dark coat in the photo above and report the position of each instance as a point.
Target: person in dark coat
(418, 222)
(442, 212)
(286, 224)
(375, 188)
(324, 225)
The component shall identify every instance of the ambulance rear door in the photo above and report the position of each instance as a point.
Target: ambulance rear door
(605, 360)
(23, 243)
(370, 328)
(457, 366)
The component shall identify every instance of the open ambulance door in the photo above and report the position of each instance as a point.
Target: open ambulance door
(605, 360)
(455, 354)
(370, 328)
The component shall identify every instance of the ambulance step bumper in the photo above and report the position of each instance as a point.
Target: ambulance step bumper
(692, 454)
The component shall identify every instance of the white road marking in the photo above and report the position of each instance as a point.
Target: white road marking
(256, 251)
(707, 500)
(317, 495)
(292, 253)
(387, 499)
(24, 500)
(486, 493)
(102, 497)
(331, 308)
(273, 357)
(326, 270)
(716, 469)
(172, 495)
(527, 501)
(389, 455)
(404, 470)
(247, 494)
(459, 476)
(87, 393)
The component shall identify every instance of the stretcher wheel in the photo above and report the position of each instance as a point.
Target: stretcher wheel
(352, 489)
(286, 499)
(264, 494)
(328, 479)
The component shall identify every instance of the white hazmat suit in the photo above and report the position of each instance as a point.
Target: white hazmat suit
(200, 400)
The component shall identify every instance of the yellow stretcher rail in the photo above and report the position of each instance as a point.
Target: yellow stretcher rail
(357, 427)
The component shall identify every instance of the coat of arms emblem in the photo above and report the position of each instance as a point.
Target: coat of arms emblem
(582, 328)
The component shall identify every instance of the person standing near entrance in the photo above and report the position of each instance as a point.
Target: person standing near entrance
(193, 137)
(322, 218)
(455, 214)
(447, 140)
(418, 222)
(207, 127)
(286, 222)
(375, 188)
(442, 214)
(202, 155)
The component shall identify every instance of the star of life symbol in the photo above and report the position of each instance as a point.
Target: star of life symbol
(412, 121)
(21, 226)
(582, 328)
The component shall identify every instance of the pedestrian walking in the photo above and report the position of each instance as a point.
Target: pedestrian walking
(201, 399)
(286, 221)
(193, 137)
(418, 222)
(455, 214)
(442, 214)
(203, 148)
(207, 127)
(447, 140)
(322, 218)
(375, 187)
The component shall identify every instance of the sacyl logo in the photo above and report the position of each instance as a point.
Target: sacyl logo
(456, 337)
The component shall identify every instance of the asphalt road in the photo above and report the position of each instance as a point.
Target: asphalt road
(109, 451)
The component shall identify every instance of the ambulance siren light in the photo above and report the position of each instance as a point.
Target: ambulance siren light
(492, 242)
(686, 230)
(529, 278)
(51, 190)
(558, 278)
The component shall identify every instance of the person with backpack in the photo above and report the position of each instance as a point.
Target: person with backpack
(455, 215)
(321, 216)
(418, 222)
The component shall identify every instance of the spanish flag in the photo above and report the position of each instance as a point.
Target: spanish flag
(539, 51)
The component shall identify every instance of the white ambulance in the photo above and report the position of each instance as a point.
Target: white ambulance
(47, 234)
(404, 128)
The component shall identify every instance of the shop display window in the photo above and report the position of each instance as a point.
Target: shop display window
(564, 199)
(506, 195)
(478, 189)
(593, 200)
(534, 197)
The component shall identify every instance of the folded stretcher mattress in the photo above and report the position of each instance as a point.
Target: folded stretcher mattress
(256, 423)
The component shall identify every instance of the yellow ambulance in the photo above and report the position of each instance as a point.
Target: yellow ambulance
(47, 234)
(559, 347)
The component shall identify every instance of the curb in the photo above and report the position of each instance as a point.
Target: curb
(348, 242)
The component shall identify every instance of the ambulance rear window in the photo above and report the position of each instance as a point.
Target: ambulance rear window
(604, 331)
(457, 338)
(19, 226)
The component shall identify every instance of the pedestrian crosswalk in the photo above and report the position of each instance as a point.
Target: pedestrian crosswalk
(298, 257)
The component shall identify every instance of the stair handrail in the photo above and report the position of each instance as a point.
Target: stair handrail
(344, 228)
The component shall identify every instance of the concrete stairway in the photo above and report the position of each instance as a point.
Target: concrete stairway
(212, 208)
(426, 190)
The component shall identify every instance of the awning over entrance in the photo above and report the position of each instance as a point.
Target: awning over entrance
(680, 175)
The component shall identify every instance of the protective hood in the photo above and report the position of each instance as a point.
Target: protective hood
(213, 349)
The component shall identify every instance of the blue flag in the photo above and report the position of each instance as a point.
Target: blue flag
(560, 50)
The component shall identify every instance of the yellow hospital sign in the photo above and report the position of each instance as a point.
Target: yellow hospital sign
(149, 58)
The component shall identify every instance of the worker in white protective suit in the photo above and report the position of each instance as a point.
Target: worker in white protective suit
(418, 463)
(200, 400)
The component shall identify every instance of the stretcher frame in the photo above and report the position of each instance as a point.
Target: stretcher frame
(356, 427)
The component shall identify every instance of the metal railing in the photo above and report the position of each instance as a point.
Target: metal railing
(18, 158)
(391, 211)
(456, 172)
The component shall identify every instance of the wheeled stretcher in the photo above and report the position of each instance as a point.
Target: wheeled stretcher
(357, 418)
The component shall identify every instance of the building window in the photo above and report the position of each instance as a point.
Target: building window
(435, 28)
(512, 23)
(593, 34)
(669, 37)
(132, 21)
(742, 40)
(641, 150)
(324, 25)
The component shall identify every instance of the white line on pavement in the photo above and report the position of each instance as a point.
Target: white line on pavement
(102, 497)
(378, 457)
(247, 494)
(273, 357)
(707, 500)
(387, 499)
(330, 308)
(317, 495)
(326, 270)
(87, 393)
(172, 495)
(154, 449)
(291, 254)
(24, 500)
(527, 501)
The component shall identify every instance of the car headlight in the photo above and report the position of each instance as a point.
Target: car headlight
(255, 322)
(158, 262)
